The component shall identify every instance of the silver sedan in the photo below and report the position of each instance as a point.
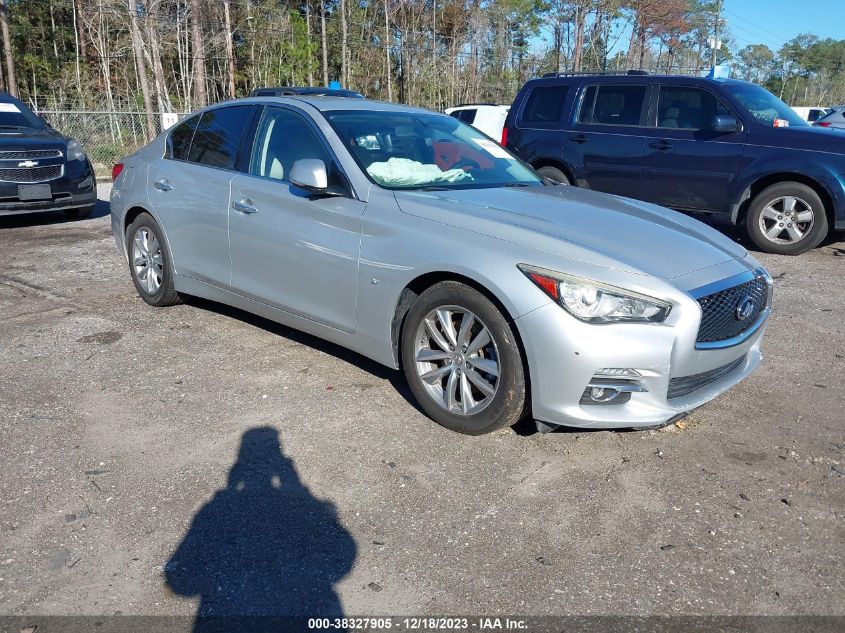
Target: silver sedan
(417, 241)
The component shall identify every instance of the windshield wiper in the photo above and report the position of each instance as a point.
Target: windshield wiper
(11, 127)
(432, 188)
(516, 184)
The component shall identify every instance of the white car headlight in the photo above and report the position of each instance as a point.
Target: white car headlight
(595, 302)
(75, 151)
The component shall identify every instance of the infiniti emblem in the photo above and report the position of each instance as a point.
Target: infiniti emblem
(28, 163)
(745, 308)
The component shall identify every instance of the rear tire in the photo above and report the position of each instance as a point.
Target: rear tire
(554, 174)
(787, 218)
(149, 262)
(456, 341)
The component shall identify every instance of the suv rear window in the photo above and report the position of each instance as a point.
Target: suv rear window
(545, 104)
(467, 115)
(612, 105)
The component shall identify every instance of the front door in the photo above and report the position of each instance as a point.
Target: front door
(687, 165)
(290, 249)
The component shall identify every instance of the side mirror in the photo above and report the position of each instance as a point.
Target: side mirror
(724, 123)
(310, 174)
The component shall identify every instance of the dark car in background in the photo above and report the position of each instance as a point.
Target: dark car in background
(40, 168)
(688, 143)
(314, 91)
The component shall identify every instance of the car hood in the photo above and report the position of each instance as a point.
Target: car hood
(30, 138)
(575, 223)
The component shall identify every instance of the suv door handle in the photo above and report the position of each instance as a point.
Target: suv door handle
(579, 138)
(163, 185)
(662, 144)
(244, 206)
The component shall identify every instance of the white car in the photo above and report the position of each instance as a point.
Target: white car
(811, 115)
(484, 117)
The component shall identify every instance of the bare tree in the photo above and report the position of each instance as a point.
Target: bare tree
(138, 51)
(198, 54)
(7, 46)
(230, 51)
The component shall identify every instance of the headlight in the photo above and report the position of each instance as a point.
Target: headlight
(595, 302)
(75, 151)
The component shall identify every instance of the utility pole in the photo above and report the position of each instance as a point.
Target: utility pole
(716, 44)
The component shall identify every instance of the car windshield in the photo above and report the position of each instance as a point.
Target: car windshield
(13, 116)
(765, 107)
(416, 150)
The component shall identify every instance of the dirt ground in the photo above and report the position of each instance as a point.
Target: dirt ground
(141, 472)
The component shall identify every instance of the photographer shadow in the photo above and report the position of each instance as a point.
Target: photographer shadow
(263, 554)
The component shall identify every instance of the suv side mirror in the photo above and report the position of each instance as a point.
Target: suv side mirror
(724, 123)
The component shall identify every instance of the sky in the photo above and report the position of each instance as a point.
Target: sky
(774, 22)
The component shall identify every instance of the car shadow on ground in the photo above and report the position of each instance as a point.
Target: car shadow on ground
(395, 377)
(263, 554)
(42, 218)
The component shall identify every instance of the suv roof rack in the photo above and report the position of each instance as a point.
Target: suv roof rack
(483, 103)
(594, 73)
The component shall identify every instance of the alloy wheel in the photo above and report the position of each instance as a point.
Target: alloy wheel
(457, 360)
(147, 260)
(786, 220)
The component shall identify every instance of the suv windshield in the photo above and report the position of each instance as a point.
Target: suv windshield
(410, 150)
(764, 106)
(13, 116)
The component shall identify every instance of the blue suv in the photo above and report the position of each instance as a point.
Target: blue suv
(689, 143)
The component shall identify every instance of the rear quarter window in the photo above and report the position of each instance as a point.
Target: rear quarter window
(544, 105)
(179, 140)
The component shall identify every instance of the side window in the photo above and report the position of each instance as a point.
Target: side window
(544, 104)
(179, 140)
(218, 136)
(468, 115)
(612, 105)
(687, 108)
(283, 138)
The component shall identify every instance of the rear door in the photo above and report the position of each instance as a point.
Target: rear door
(290, 249)
(607, 141)
(189, 190)
(687, 165)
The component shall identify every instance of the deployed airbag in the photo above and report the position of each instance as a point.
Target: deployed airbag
(396, 172)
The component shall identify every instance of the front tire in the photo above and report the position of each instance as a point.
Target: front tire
(462, 361)
(149, 262)
(787, 218)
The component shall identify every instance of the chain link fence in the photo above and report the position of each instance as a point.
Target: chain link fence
(106, 136)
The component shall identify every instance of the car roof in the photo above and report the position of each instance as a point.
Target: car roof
(637, 78)
(328, 103)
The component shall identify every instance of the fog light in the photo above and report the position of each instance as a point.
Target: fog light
(85, 184)
(604, 390)
(603, 394)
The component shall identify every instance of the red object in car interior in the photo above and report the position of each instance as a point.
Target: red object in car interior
(115, 171)
(824, 124)
(504, 137)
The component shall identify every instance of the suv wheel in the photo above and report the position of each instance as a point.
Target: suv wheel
(787, 219)
(462, 361)
(554, 174)
(149, 262)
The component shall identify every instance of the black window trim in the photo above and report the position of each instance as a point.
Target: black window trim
(655, 106)
(644, 109)
(249, 148)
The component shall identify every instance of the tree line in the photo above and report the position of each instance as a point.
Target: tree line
(177, 55)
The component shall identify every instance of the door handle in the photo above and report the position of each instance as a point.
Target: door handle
(661, 145)
(244, 206)
(163, 185)
(579, 138)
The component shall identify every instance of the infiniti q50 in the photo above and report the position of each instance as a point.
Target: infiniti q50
(417, 241)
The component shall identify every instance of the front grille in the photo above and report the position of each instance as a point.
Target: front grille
(719, 311)
(30, 154)
(687, 384)
(32, 174)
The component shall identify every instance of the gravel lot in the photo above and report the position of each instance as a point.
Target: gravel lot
(120, 426)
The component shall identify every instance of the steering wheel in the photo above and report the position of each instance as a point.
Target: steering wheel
(467, 164)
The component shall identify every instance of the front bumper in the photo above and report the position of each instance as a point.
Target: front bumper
(66, 192)
(565, 354)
